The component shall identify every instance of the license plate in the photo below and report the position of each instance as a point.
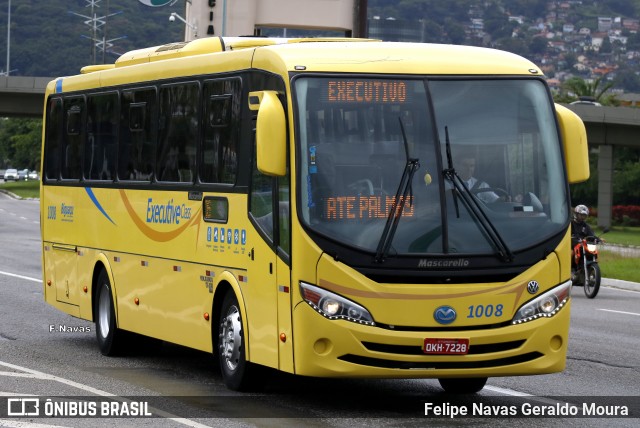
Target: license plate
(446, 346)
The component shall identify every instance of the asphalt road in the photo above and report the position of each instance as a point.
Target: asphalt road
(39, 358)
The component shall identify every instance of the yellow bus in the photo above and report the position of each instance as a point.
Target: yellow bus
(305, 205)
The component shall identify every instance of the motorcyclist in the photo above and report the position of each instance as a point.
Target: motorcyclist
(579, 227)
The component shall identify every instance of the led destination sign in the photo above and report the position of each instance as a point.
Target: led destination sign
(364, 207)
(367, 91)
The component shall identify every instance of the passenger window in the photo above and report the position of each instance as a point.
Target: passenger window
(178, 132)
(137, 153)
(102, 137)
(72, 145)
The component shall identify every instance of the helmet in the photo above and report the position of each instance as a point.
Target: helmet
(582, 209)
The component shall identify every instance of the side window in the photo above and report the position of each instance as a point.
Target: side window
(262, 206)
(100, 147)
(222, 98)
(71, 161)
(284, 214)
(137, 135)
(53, 139)
(261, 202)
(269, 203)
(178, 132)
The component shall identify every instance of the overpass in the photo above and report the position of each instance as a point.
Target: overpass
(607, 127)
(22, 96)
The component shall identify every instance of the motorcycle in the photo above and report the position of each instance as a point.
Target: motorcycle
(585, 270)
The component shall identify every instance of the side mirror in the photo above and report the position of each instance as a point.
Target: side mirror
(574, 142)
(271, 133)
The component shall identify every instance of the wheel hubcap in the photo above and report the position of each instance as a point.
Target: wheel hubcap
(104, 312)
(230, 340)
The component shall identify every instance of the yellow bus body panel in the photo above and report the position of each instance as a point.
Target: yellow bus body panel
(165, 274)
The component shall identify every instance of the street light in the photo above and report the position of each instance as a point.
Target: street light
(8, 40)
(193, 27)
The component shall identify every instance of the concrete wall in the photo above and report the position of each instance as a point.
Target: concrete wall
(242, 17)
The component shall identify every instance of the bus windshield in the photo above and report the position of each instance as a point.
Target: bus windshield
(485, 160)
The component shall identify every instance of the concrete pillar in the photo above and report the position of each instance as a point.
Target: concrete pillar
(605, 185)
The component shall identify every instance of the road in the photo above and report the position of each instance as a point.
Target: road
(38, 358)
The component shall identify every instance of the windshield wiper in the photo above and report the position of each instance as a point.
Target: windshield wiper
(404, 189)
(473, 205)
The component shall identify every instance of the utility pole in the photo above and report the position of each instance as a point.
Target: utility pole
(8, 40)
(360, 27)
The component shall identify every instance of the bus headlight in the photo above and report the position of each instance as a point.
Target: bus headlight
(333, 306)
(545, 305)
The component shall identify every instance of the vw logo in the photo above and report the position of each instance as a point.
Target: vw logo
(445, 315)
(532, 287)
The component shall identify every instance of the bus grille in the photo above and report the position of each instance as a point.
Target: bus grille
(408, 365)
(417, 350)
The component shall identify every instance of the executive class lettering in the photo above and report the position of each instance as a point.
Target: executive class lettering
(166, 213)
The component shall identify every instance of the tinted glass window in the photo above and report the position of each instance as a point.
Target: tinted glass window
(102, 138)
(178, 132)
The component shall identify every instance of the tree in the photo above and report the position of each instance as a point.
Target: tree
(626, 190)
(20, 141)
(595, 89)
(538, 45)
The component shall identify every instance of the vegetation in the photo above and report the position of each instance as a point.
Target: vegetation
(620, 235)
(49, 39)
(20, 141)
(626, 191)
(579, 88)
(616, 266)
(23, 189)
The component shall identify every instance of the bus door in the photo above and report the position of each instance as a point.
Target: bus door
(261, 289)
(270, 274)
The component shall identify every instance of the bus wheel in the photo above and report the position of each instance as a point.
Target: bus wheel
(463, 385)
(109, 337)
(231, 348)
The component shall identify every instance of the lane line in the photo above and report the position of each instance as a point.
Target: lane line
(17, 424)
(15, 275)
(619, 312)
(45, 376)
(506, 391)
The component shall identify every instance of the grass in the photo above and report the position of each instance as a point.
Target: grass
(622, 235)
(615, 266)
(24, 189)
(612, 265)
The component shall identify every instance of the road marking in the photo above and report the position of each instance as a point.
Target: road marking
(45, 376)
(16, 424)
(514, 393)
(619, 312)
(506, 391)
(15, 275)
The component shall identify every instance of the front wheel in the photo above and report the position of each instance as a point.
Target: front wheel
(463, 385)
(592, 281)
(236, 370)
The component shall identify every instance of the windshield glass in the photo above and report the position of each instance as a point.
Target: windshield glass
(361, 138)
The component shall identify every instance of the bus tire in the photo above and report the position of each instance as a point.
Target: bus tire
(235, 369)
(463, 385)
(110, 338)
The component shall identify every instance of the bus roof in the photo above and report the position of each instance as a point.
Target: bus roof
(343, 54)
(394, 57)
(281, 55)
